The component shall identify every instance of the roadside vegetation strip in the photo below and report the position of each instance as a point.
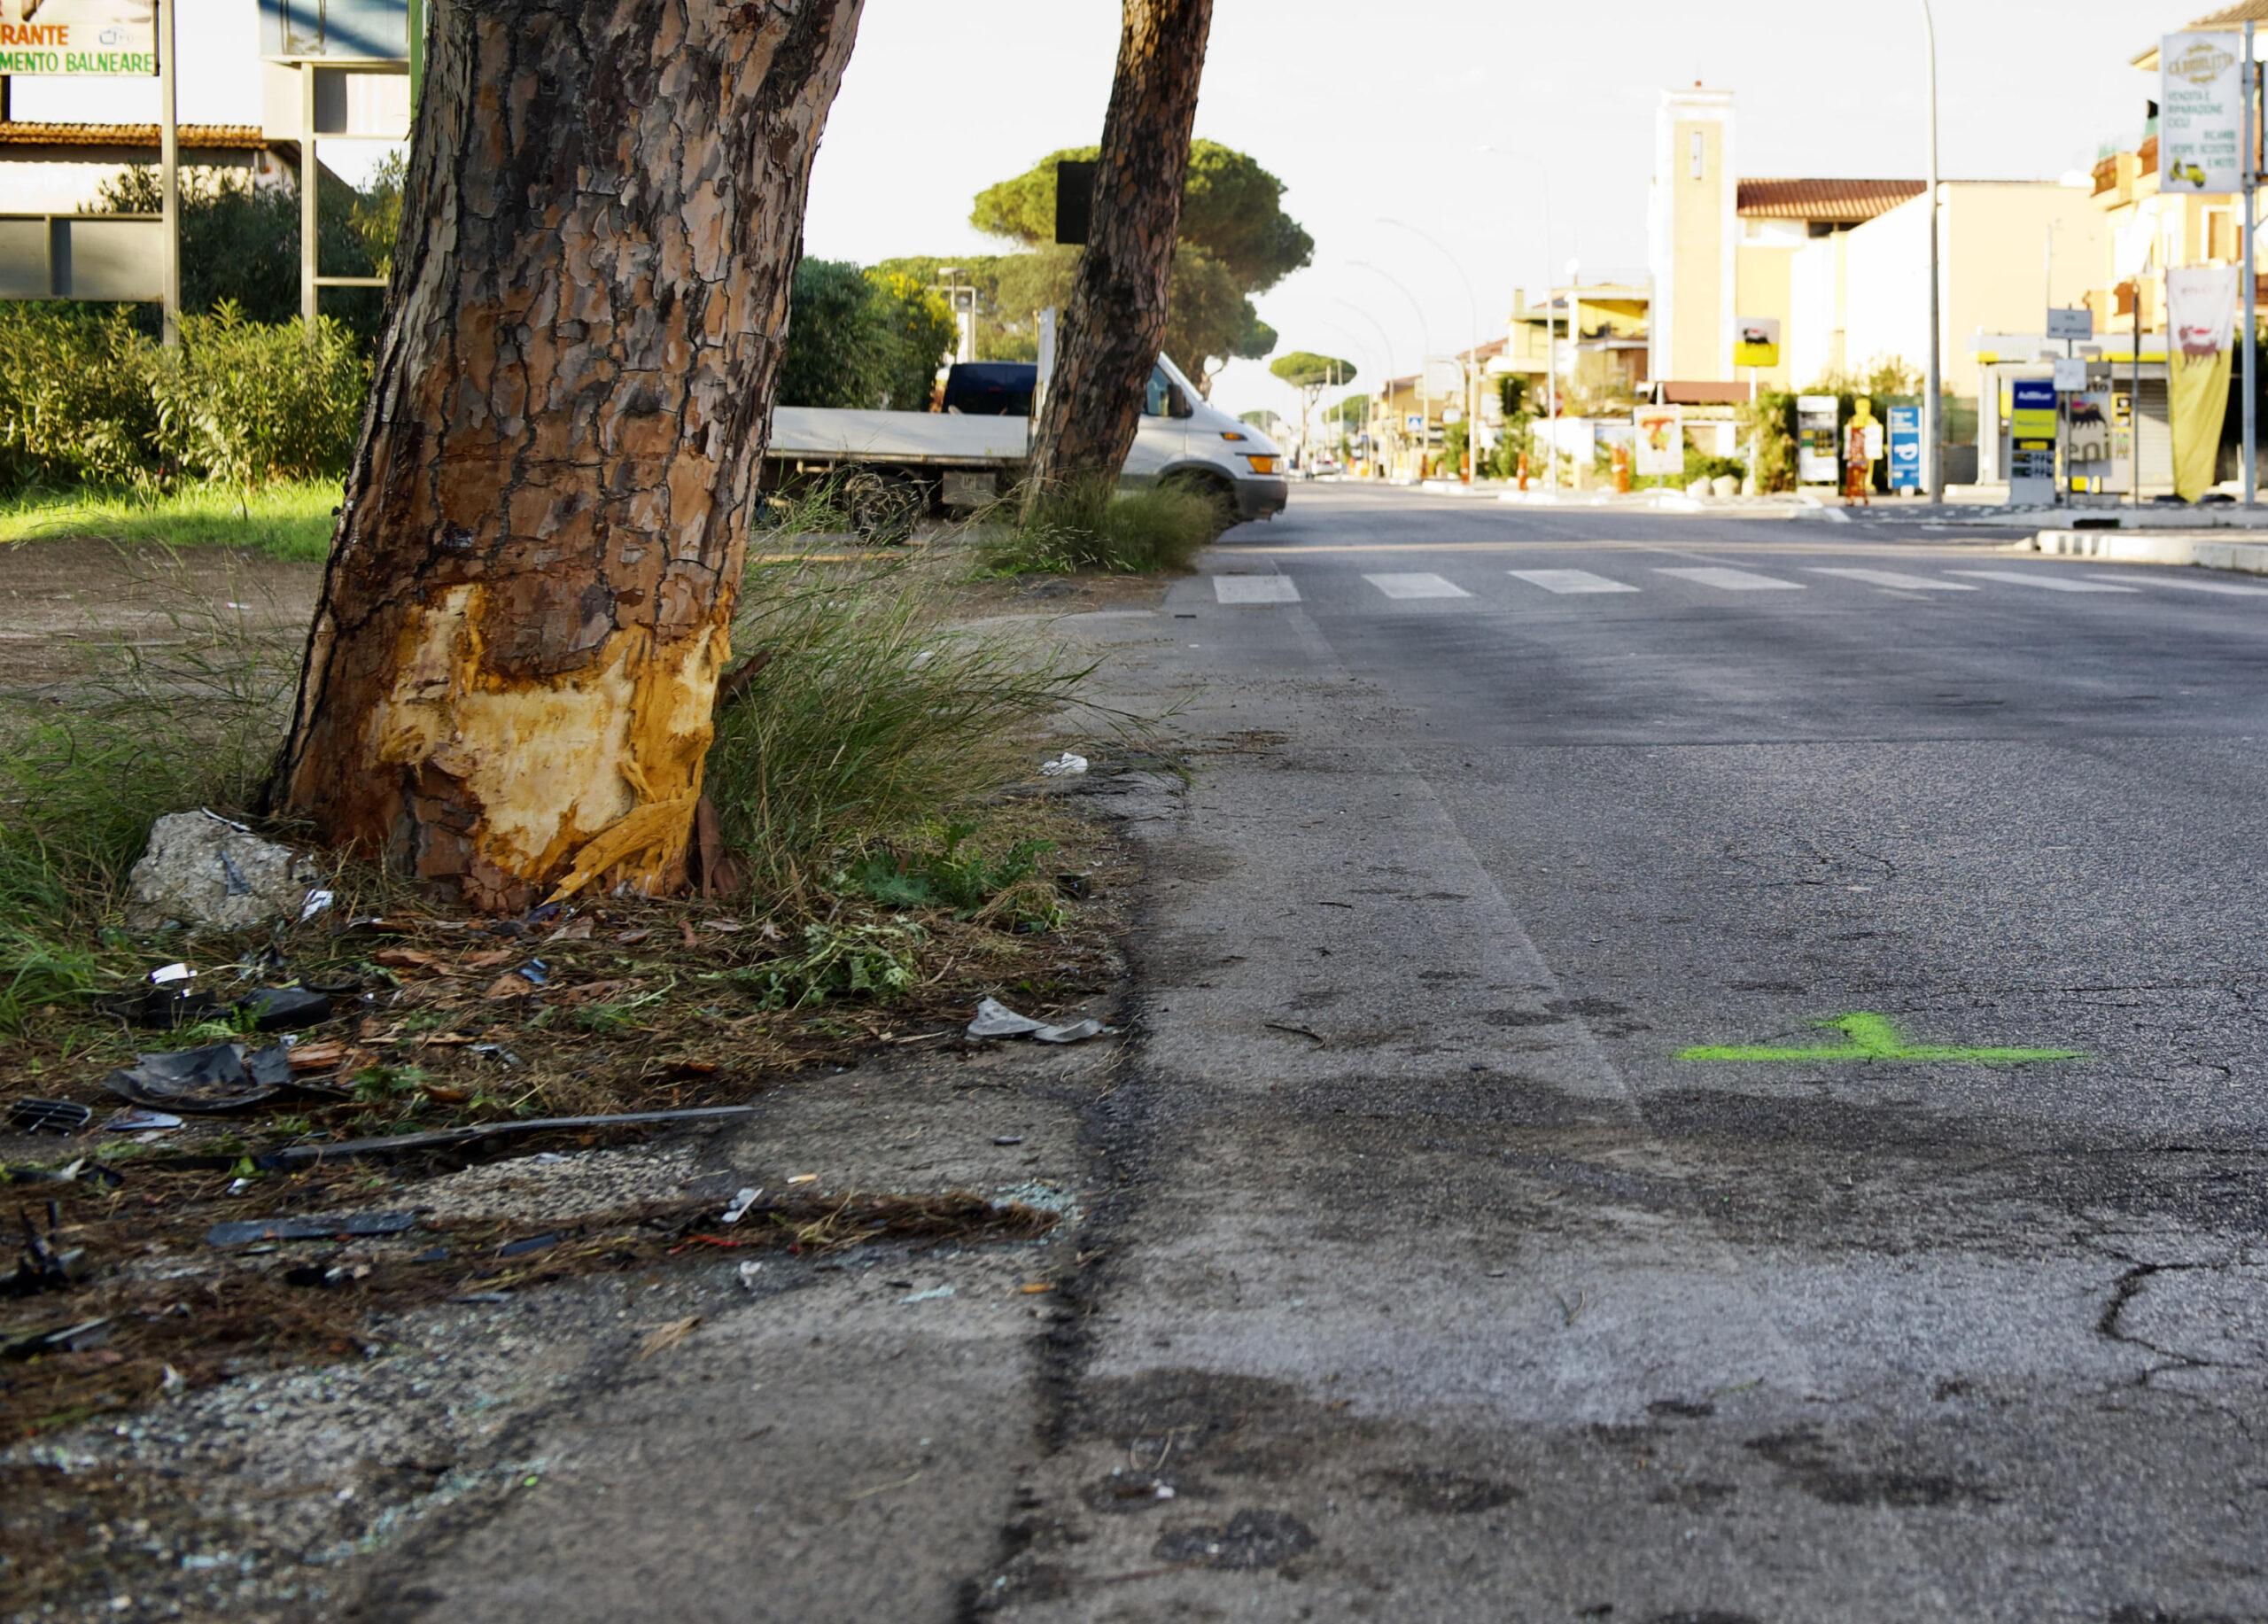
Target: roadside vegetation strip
(290, 520)
(1090, 525)
(1874, 1037)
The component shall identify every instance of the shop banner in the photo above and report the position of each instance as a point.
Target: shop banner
(1905, 447)
(1661, 440)
(1818, 460)
(2201, 308)
(2201, 112)
(79, 38)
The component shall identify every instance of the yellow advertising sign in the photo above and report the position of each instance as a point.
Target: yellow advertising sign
(1756, 341)
(79, 38)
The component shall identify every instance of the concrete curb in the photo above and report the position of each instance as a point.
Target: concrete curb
(2163, 547)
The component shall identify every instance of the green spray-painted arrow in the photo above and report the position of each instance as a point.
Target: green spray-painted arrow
(1873, 1037)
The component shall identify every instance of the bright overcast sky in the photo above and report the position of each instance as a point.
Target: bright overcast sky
(1367, 109)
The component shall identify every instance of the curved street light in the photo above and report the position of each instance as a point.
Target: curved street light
(1932, 465)
(1471, 353)
(1386, 345)
(1550, 322)
(1425, 334)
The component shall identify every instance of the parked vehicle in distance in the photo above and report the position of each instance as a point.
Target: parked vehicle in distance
(990, 388)
(894, 466)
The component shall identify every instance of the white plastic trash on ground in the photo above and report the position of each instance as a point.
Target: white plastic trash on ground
(1065, 766)
(995, 1019)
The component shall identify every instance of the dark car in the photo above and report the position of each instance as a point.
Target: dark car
(990, 388)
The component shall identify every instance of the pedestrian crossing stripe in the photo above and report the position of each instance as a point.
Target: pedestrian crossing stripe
(1570, 581)
(1732, 580)
(2041, 579)
(1254, 589)
(1417, 587)
(2226, 588)
(1894, 579)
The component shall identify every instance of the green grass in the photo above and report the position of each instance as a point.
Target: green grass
(1095, 525)
(290, 520)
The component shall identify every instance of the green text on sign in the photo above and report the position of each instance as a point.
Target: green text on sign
(1873, 1037)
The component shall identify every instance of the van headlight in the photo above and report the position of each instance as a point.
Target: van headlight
(1260, 464)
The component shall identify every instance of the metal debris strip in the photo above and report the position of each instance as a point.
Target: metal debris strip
(305, 1155)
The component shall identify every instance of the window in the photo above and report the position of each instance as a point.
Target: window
(1154, 398)
(1694, 164)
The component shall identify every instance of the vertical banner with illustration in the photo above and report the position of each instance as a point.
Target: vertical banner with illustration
(1905, 447)
(2201, 310)
(2201, 112)
(79, 37)
(1818, 458)
(1661, 440)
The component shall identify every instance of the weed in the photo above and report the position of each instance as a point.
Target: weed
(957, 874)
(1095, 525)
(868, 718)
(870, 961)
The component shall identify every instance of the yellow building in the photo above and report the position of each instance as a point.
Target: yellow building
(1842, 265)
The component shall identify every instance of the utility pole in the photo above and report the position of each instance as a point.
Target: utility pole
(2251, 462)
(1471, 353)
(1932, 403)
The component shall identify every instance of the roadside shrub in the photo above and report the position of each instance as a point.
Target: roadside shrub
(245, 402)
(1094, 526)
(85, 398)
(76, 401)
(862, 339)
(868, 718)
(956, 874)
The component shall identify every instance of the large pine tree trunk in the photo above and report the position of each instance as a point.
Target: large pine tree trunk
(1117, 316)
(508, 687)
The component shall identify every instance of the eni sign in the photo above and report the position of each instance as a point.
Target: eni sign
(79, 38)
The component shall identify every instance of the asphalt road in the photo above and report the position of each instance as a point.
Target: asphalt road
(1429, 1279)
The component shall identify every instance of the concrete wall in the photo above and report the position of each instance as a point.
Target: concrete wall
(1813, 343)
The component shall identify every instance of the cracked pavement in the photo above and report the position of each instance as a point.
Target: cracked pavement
(1432, 1285)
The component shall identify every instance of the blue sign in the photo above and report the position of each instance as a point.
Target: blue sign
(1905, 447)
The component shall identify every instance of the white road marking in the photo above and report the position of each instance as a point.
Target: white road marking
(2042, 580)
(2226, 587)
(1891, 578)
(1417, 587)
(1569, 581)
(1734, 580)
(1254, 589)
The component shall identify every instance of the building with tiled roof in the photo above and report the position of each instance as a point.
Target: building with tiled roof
(1821, 202)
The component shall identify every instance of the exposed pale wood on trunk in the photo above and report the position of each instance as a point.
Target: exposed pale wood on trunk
(1117, 314)
(509, 687)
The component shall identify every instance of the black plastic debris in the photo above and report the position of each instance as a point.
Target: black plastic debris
(526, 1243)
(283, 1009)
(43, 1265)
(219, 1077)
(165, 1008)
(34, 1116)
(339, 1227)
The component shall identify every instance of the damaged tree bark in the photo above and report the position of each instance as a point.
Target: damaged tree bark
(1117, 314)
(509, 687)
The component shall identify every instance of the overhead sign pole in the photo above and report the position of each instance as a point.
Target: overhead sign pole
(170, 173)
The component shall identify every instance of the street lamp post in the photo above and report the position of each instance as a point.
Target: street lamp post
(1551, 326)
(1471, 354)
(1386, 349)
(1932, 425)
(1425, 390)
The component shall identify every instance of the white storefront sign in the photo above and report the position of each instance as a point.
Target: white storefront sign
(79, 38)
(2201, 112)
